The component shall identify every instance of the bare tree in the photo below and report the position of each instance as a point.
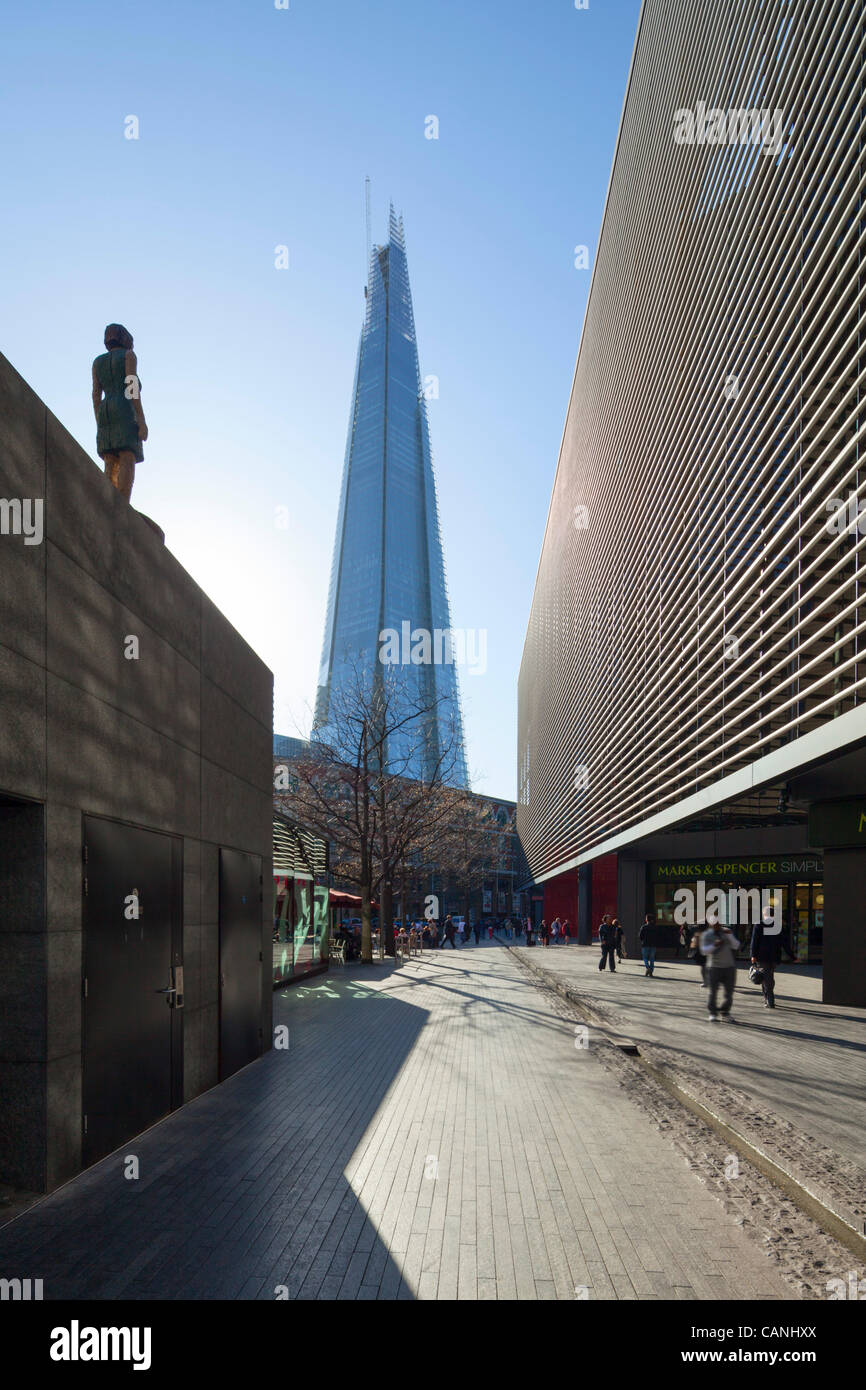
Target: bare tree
(466, 846)
(370, 783)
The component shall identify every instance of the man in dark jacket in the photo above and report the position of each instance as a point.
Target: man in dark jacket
(647, 935)
(449, 934)
(766, 951)
(607, 939)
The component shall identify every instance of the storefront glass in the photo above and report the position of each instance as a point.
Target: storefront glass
(300, 899)
(300, 921)
(791, 883)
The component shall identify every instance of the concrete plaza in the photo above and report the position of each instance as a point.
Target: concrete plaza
(431, 1132)
(802, 1061)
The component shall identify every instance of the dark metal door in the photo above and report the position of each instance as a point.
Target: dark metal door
(240, 960)
(132, 937)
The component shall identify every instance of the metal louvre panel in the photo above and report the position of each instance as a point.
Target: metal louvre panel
(705, 615)
(298, 851)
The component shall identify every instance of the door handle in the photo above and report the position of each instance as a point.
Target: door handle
(174, 992)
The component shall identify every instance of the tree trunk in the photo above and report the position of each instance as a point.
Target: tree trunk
(366, 929)
(325, 946)
(386, 916)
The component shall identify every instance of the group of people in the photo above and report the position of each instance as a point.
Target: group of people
(454, 933)
(548, 934)
(427, 932)
(611, 936)
(714, 948)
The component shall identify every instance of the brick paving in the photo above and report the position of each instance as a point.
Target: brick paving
(432, 1132)
(804, 1060)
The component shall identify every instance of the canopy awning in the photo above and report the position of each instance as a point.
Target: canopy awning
(348, 899)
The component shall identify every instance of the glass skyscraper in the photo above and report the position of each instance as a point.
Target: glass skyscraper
(388, 573)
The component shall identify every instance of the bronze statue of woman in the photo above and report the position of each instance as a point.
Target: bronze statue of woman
(120, 425)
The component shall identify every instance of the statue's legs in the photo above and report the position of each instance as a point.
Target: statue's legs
(120, 470)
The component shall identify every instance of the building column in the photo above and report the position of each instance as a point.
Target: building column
(844, 927)
(631, 900)
(584, 905)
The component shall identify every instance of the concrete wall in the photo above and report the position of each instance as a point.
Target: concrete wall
(179, 740)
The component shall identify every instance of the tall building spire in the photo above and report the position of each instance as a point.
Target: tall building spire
(388, 569)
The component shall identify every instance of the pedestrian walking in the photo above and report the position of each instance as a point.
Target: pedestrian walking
(461, 932)
(566, 932)
(529, 931)
(619, 939)
(448, 938)
(695, 952)
(648, 940)
(766, 952)
(555, 930)
(476, 932)
(719, 945)
(607, 940)
(544, 933)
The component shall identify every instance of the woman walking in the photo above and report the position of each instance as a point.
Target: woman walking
(619, 939)
(544, 933)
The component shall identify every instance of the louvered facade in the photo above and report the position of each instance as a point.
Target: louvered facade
(698, 628)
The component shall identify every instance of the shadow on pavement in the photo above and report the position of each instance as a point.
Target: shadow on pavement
(243, 1190)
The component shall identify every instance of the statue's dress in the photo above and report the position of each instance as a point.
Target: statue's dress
(116, 425)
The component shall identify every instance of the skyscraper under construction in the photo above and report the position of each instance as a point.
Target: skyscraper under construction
(388, 572)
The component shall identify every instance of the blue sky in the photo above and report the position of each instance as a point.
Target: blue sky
(257, 127)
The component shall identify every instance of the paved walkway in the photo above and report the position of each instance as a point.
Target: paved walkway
(432, 1132)
(804, 1060)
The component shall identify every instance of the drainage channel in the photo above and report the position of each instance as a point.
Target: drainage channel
(811, 1205)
